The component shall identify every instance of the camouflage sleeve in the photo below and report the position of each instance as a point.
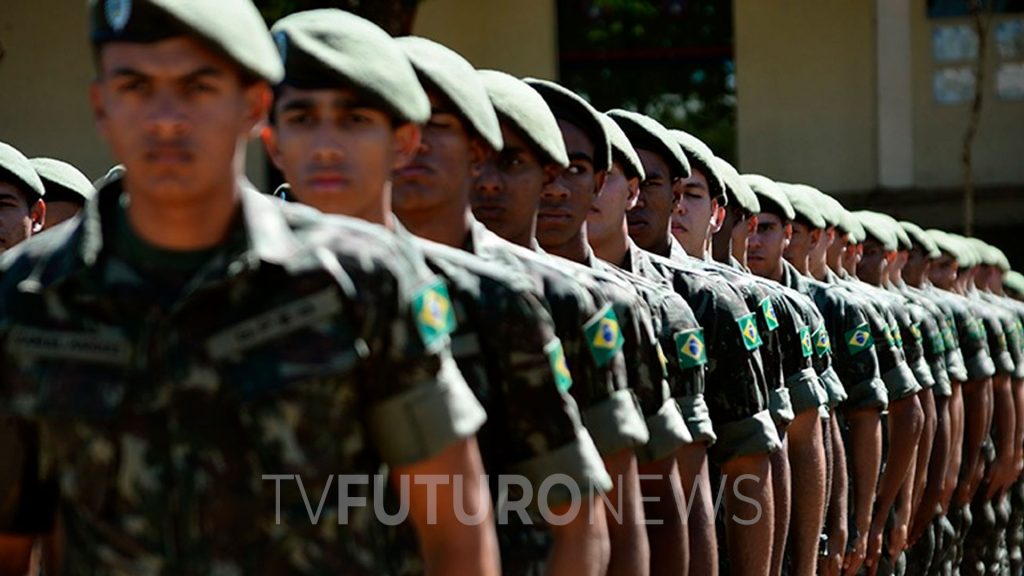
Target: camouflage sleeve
(896, 373)
(600, 388)
(541, 431)
(735, 396)
(908, 335)
(854, 352)
(797, 338)
(665, 422)
(930, 336)
(950, 346)
(419, 404)
(973, 346)
(992, 330)
(1013, 341)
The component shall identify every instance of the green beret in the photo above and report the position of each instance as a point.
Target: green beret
(331, 48)
(116, 172)
(919, 236)
(1002, 262)
(831, 209)
(622, 149)
(769, 194)
(902, 239)
(233, 28)
(1014, 281)
(803, 198)
(971, 258)
(949, 244)
(858, 234)
(647, 133)
(879, 229)
(16, 170)
(736, 189)
(442, 68)
(522, 107)
(59, 176)
(569, 106)
(702, 158)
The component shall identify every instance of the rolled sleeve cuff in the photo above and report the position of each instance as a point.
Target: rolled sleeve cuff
(780, 404)
(577, 464)
(698, 418)
(869, 393)
(922, 373)
(805, 390)
(668, 433)
(616, 423)
(748, 437)
(835, 392)
(900, 382)
(1004, 363)
(955, 366)
(941, 376)
(980, 366)
(422, 422)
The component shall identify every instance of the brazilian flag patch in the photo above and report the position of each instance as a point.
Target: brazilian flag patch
(748, 328)
(950, 340)
(435, 316)
(938, 346)
(805, 342)
(556, 355)
(822, 343)
(770, 319)
(604, 337)
(887, 332)
(975, 329)
(662, 359)
(690, 348)
(859, 339)
(915, 329)
(897, 336)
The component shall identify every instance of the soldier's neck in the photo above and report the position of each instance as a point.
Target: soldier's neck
(614, 247)
(662, 246)
(527, 238)
(574, 249)
(184, 226)
(818, 269)
(448, 225)
(721, 247)
(800, 264)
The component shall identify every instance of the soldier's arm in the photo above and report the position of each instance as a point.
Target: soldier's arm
(866, 459)
(924, 447)
(1001, 472)
(581, 545)
(956, 445)
(975, 410)
(750, 514)
(696, 482)
(1018, 403)
(837, 527)
(807, 457)
(665, 510)
(630, 551)
(449, 545)
(937, 467)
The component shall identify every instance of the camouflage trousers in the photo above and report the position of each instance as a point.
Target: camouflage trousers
(1015, 531)
(985, 548)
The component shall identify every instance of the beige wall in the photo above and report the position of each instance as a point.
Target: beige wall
(45, 72)
(806, 91)
(517, 37)
(939, 128)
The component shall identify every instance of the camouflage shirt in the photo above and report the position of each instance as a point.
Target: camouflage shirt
(194, 427)
(964, 333)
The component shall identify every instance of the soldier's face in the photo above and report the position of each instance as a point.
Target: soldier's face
(174, 113)
(507, 190)
(618, 195)
(766, 245)
(59, 211)
(801, 242)
(649, 218)
(18, 219)
(871, 263)
(851, 257)
(917, 263)
(447, 161)
(567, 200)
(694, 216)
(943, 272)
(337, 151)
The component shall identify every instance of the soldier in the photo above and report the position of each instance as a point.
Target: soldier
(856, 365)
(189, 347)
(67, 189)
(515, 362)
(564, 205)
(735, 390)
(505, 196)
(23, 211)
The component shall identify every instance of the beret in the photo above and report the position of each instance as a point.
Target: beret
(233, 28)
(622, 149)
(647, 133)
(16, 169)
(1014, 281)
(331, 48)
(878, 228)
(736, 189)
(803, 198)
(521, 106)
(569, 106)
(768, 193)
(919, 236)
(702, 158)
(442, 68)
(57, 174)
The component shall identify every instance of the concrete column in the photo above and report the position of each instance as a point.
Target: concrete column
(895, 93)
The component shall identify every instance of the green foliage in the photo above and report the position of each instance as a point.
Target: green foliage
(670, 59)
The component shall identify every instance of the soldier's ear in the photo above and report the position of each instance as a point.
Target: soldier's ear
(634, 193)
(751, 224)
(599, 178)
(38, 215)
(407, 143)
(271, 144)
(787, 231)
(717, 216)
(479, 152)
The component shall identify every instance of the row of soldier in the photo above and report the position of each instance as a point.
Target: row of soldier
(474, 274)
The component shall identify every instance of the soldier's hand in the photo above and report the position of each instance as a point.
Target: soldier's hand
(854, 558)
(897, 538)
(830, 565)
(874, 545)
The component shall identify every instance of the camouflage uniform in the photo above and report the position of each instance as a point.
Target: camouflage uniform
(163, 394)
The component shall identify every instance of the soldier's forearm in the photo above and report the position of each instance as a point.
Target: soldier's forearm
(749, 513)
(936, 473)
(807, 455)
(1004, 416)
(838, 508)
(906, 419)
(630, 552)
(693, 472)
(975, 407)
(866, 456)
(924, 449)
